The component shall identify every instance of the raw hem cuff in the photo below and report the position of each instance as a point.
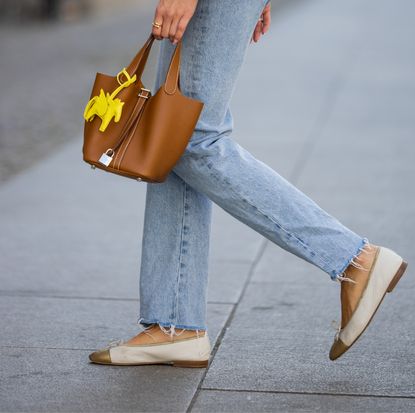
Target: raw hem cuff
(147, 322)
(339, 275)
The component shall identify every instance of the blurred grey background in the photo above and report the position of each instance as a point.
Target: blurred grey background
(49, 53)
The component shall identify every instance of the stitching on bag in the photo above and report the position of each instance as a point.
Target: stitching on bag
(125, 140)
(116, 156)
(125, 131)
(177, 76)
(131, 136)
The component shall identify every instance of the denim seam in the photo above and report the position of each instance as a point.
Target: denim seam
(287, 232)
(270, 218)
(179, 273)
(332, 273)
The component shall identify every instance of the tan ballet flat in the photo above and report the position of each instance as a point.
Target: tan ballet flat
(361, 297)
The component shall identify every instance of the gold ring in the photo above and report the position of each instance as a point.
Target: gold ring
(155, 24)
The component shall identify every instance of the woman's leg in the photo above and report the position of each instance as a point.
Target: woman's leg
(215, 167)
(175, 247)
(175, 253)
(214, 47)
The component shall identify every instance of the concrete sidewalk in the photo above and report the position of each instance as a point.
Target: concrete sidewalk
(326, 98)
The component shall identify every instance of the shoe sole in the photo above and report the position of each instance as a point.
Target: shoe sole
(176, 363)
(396, 278)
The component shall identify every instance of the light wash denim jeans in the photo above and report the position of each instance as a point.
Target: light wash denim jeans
(215, 168)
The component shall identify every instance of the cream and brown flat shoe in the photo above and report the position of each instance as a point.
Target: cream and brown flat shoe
(179, 352)
(361, 295)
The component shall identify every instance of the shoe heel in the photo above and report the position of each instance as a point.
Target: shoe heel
(190, 363)
(397, 276)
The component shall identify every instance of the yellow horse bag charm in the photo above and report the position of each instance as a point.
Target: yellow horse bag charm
(106, 106)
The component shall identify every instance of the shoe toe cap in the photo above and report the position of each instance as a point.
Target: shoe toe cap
(101, 356)
(337, 349)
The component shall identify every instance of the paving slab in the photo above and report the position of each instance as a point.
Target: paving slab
(282, 331)
(33, 383)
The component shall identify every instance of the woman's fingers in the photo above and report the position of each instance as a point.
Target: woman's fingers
(158, 18)
(174, 15)
(181, 27)
(174, 27)
(167, 21)
(263, 23)
(257, 31)
(266, 15)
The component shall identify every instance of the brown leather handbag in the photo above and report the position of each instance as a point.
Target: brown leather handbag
(130, 132)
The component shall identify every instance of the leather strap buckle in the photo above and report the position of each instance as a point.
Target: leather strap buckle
(144, 90)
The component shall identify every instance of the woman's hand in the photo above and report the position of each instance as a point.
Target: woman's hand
(173, 17)
(263, 23)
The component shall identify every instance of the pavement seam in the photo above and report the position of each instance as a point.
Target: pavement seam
(75, 297)
(309, 393)
(332, 94)
(47, 348)
(251, 271)
(317, 129)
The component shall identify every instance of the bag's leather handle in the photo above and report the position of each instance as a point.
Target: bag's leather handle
(137, 65)
(173, 74)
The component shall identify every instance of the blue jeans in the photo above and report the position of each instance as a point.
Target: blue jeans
(215, 168)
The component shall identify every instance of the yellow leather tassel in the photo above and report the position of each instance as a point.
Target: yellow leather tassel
(105, 105)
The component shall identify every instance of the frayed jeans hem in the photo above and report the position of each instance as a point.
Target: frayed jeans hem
(148, 322)
(340, 275)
